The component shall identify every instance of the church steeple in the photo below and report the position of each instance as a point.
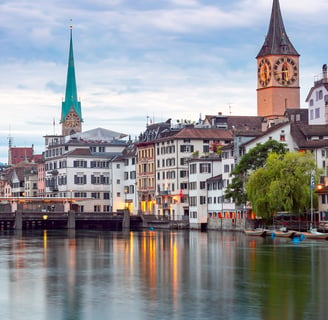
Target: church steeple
(71, 115)
(277, 70)
(277, 41)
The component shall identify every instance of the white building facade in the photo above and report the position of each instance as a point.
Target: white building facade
(172, 169)
(317, 99)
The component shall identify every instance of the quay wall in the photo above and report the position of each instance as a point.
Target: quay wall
(226, 224)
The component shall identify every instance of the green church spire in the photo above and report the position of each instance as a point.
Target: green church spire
(71, 102)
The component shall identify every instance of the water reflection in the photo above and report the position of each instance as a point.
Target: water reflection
(160, 275)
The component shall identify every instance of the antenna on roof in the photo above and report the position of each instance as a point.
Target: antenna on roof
(10, 138)
(229, 104)
(54, 125)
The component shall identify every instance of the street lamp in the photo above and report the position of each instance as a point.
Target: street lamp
(311, 190)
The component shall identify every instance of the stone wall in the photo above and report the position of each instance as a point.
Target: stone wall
(226, 224)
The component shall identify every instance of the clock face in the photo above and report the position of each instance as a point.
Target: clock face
(72, 120)
(285, 71)
(264, 72)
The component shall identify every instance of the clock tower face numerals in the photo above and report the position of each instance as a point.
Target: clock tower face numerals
(72, 120)
(285, 71)
(264, 72)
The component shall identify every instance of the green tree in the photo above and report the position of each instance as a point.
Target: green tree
(252, 160)
(283, 184)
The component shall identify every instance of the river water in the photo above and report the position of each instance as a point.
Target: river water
(75, 275)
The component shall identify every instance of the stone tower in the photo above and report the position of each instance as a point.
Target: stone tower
(277, 70)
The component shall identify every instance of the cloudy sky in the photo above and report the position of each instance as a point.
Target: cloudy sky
(137, 58)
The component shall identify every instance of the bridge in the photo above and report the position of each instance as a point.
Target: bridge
(69, 220)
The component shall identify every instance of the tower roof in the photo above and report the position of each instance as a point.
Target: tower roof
(71, 101)
(277, 41)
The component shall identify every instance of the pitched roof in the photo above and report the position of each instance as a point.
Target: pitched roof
(215, 178)
(204, 133)
(80, 152)
(99, 134)
(239, 123)
(307, 136)
(277, 41)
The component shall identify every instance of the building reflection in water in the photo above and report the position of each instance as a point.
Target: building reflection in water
(162, 275)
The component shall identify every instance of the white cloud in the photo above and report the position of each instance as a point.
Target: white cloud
(167, 59)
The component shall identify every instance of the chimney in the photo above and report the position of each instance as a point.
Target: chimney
(324, 73)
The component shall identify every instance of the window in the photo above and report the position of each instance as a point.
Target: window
(202, 200)
(186, 148)
(226, 168)
(79, 164)
(205, 168)
(105, 179)
(99, 164)
(311, 115)
(80, 194)
(106, 195)
(95, 195)
(184, 186)
(133, 175)
(106, 208)
(317, 113)
(193, 168)
(192, 185)
(202, 185)
(311, 102)
(80, 179)
(206, 149)
(95, 179)
(193, 201)
(183, 173)
(96, 208)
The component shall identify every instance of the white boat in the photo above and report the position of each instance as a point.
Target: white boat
(256, 232)
(313, 233)
(284, 234)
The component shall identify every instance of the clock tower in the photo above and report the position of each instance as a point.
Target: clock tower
(277, 70)
(71, 116)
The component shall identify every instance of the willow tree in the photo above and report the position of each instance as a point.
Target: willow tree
(283, 184)
(252, 160)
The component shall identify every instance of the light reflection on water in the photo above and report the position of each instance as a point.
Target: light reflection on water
(160, 275)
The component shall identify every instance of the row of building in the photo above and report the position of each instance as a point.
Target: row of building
(175, 171)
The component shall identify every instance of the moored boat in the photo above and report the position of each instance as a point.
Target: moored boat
(284, 234)
(256, 232)
(313, 234)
